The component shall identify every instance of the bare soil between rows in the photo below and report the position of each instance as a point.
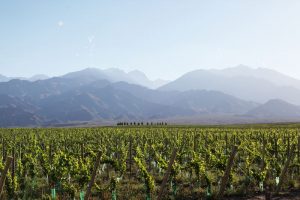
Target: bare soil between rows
(291, 195)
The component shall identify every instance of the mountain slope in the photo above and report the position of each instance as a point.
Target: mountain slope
(272, 76)
(91, 103)
(15, 112)
(200, 101)
(236, 83)
(38, 77)
(33, 78)
(90, 96)
(211, 102)
(76, 98)
(115, 75)
(37, 90)
(275, 108)
(3, 78)
(141, 79)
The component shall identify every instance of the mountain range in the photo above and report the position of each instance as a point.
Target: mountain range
(116, 75)
(259, 85)
(33, 78)
(92, 96)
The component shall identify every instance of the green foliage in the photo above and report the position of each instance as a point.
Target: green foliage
(64, 159)
(148, 179)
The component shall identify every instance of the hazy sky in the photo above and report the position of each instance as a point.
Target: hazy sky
(163, 38)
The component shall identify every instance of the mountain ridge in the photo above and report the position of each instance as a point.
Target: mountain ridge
(66, 100)
(243, 85)
(102, 96)
(275, 108)
(117, 75)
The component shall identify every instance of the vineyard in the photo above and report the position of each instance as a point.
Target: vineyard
(148, 162)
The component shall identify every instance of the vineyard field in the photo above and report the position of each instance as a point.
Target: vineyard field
(149, 162)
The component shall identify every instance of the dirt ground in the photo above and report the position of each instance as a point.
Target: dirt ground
(292, 195)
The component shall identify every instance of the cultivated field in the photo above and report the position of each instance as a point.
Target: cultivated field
(150, 162)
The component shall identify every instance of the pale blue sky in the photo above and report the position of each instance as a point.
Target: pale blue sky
(163, 38)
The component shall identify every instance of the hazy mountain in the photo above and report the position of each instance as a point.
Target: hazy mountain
(77, 99)
(276, 108)
(33, 78)
(63, 100)
(116, 75)
(87, 75)
(34, 91)
(92, 103)
(93, 95)
(93, 74)
(239, 82)
(270, 75)
(3, 78)
(38, 77)
(200, 101)
(211, 102)
(141, 79)
(159, 82)
(15, 112)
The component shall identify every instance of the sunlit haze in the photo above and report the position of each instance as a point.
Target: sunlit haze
(164, 39)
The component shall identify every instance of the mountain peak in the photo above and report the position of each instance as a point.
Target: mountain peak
(276, 108)
(137, 75)
(90, 69)
(114, 75)
(38, 77)
(242, 66)
(137, 72)
(254, 84)
(240, 69)
(277, 102)
(114, 70)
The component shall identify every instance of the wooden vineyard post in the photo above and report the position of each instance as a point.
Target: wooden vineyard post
(267, 186)
(226, 143)
(5, 170)
(91, 183)
(13, 166)
(285, 168)
(130, 156)
(50, 153)
(263, 153)
(3, 150)
(267, 193)
(82, 151)
(276, 147)
(263, 162)
(298, 155)
(288, 147)
(227, 172)
(298, 151)
(234, 139)
(149, 162)
(167, 174)
(195, 142)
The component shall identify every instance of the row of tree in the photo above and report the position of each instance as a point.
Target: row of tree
(142, 124)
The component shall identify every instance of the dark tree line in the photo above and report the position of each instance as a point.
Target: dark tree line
(142, 124)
